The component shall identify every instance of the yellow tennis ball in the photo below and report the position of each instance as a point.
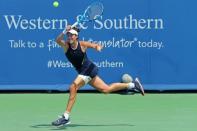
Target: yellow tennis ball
(55, 3)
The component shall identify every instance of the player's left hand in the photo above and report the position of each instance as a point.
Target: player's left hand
(99, 48)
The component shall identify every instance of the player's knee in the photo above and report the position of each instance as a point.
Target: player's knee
(73, 87)
(106, 90)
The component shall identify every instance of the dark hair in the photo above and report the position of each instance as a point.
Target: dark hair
(76, 29)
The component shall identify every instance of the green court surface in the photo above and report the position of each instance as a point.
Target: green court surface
(99, 112)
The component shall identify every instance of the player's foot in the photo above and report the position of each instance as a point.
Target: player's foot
(61, 121)
(138, 86)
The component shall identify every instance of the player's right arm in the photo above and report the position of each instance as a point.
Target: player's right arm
(60, 39)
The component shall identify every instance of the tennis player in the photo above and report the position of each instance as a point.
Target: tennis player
(75, 52)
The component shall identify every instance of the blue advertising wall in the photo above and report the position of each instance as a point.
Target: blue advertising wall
(152, 39)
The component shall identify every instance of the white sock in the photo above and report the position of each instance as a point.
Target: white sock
(66, 115)
(131, 85)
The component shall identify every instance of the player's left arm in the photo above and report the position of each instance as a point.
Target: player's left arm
(91, 45)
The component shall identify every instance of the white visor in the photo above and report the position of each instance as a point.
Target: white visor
(74, 32)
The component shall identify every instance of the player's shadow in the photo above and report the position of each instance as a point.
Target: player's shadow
(78, 125)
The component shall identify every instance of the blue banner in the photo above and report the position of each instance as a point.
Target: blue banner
(154, 40)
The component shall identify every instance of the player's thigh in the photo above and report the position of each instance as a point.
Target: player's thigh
(99, 84)
(78, 82)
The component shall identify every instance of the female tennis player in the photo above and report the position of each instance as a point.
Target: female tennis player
(75, 52)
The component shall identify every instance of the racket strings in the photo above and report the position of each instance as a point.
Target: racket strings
(94, 11)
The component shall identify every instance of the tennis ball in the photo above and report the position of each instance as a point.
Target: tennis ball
(55, 3)
(126, 78)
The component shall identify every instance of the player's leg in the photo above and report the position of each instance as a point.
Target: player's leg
(78, 82)
(100, 85)
(64, 119)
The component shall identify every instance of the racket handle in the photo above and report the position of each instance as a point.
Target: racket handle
(75, 24)
(64, 31)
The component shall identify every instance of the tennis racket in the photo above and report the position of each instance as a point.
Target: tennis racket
(92, 13)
